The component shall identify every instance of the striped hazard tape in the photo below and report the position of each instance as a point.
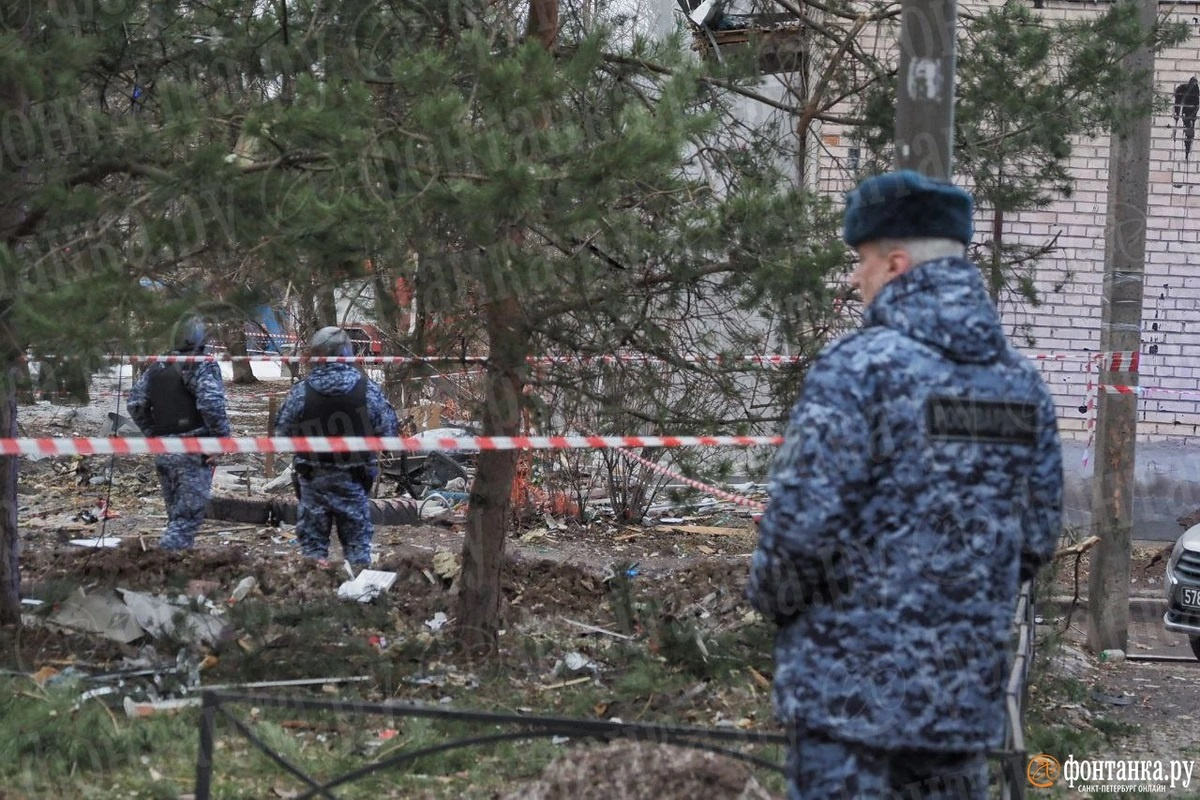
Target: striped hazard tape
(763, 361)
(740, 500)
(1148, 391)
(1118, 361)
(1122, 361)
(351, 444)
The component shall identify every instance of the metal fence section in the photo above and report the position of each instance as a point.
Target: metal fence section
(514, 727)
(1012, 758)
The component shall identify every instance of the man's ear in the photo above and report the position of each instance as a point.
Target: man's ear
(898, 262)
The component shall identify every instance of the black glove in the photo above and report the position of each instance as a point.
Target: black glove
(365, 477)
(297, 471)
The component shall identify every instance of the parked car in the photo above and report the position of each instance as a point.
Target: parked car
(1183, 588)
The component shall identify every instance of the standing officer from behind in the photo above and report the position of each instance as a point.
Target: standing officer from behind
(182, 400)
(918, 484)
(335, 400)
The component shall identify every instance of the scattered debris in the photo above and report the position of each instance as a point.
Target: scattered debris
(368, 585)
(709, 530)
(565, 684)
(594, 629)
(101, 613)
(1112, 699)
(438, 621)
(149, 708)
(100, 541)
(159, 617)
(445, 565)
(245, 587)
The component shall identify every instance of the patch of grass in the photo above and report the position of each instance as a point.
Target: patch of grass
(1115, 729)
(674, 670)
(54, 745)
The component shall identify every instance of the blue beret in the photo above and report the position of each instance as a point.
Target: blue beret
(907, 205)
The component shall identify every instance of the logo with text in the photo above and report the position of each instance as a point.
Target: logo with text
(1043, 771)
(1115, 776)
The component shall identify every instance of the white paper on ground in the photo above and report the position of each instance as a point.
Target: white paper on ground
(369, 584)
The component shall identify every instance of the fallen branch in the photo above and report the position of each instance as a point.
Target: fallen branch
(563, 684)
(1079, 548)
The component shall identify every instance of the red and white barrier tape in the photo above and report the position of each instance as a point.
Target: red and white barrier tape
(348, 444)
(1118, 361)
(178, 359)
(695, 484)
(1147, 391)
(764, 361)
(1122, 361)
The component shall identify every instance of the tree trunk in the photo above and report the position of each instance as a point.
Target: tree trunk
(543, 22)
(243, 372)
(487, 517)
(387, 315)
(491, 493)
(10, 568)
(326, 307)
(14, 105)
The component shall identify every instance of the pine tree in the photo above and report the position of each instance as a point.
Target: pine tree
(557, 195)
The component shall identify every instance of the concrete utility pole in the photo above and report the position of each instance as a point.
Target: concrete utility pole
(1120, 330)
(925, 97)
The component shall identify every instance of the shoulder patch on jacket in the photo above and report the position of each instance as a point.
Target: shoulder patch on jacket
(992, 421)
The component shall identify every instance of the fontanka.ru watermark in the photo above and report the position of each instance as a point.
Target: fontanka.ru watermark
(1115, 776)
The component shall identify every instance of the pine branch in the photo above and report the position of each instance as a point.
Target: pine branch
(632, 61)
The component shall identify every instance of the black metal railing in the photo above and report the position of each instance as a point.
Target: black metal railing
(716, 740)
(1012, 758)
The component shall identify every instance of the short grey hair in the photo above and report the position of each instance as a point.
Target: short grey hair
(925, 249)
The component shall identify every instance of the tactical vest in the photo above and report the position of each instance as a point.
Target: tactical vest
(336, 415)
(172, 406)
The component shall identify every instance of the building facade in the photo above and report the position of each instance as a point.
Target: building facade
(1063, 332)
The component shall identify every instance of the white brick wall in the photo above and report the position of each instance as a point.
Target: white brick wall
(1068, 321)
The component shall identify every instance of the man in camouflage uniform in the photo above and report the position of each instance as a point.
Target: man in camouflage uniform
(919, 482)
(335, 400)
(182, 400)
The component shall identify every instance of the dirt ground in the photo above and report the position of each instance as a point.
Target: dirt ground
(555, 573)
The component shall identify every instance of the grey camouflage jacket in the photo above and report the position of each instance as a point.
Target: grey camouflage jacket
(336, 379)
(203, 380)
(919, 478)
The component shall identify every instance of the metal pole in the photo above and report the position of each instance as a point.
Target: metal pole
(272, 415)
(925, 96)
(204, 764)
(1120, 330)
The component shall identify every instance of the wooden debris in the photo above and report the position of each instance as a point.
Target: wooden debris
(710, 530)
(759, 678)
(1078, 548)
(594, 629)
(564, 684)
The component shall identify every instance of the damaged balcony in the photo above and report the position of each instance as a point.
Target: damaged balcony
(719, 31)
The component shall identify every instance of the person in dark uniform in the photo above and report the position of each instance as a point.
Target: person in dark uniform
(918, 484)
(336, 399)
(182, 400)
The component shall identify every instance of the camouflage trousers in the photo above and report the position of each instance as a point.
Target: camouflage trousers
(186, 483)
(329, 495)
(827, 769)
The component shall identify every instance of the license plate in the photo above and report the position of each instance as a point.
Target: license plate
(1190, 597)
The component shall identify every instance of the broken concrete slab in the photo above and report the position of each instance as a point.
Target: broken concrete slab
(158, 617)
(101, 613)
